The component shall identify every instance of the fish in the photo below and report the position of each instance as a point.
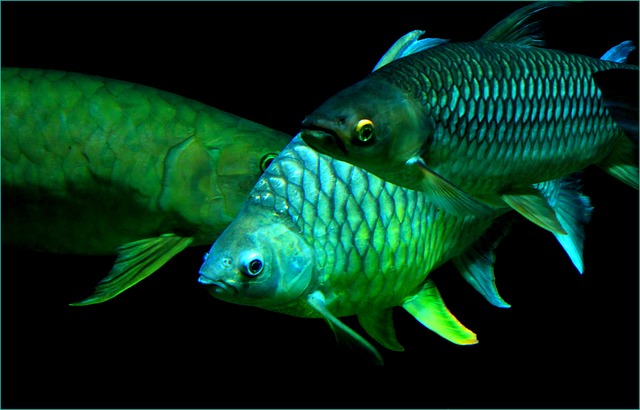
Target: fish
(322, 238)
(477, 124)
(98, 166)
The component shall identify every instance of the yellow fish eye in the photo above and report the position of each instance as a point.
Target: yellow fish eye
(266, 160)
(364, 130)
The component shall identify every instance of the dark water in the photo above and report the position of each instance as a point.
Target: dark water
(569, 341)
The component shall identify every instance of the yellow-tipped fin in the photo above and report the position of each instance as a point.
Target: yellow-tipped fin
(379, 324)
(343, 332)
(429, 309)
(534, 206)
(135, 261)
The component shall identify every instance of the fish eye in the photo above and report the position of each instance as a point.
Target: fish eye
(266, 160)
(252, 264)
(364, 130)
(254, 267)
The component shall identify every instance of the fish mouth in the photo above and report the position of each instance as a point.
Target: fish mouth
(217, 287)
(319, 138)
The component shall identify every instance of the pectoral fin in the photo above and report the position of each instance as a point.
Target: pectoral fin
(533, 205)
(379, 324)
(343, 332)
(136, 261)
(429, 309)
(446, 195)
(476, 264)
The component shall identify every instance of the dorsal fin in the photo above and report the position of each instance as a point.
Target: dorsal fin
(619, 53)
(408, 44)
(519, 28)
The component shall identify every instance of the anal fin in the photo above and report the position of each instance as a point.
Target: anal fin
(379, 324)
(573, 210)
(317, 302)
(135, 261)
(429, 309)
(476, 264)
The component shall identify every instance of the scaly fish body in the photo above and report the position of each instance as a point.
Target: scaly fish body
(476, 124)
(319, 237)
(92, 164)
(505, 116)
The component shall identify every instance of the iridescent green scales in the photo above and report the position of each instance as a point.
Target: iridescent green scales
(379, 241)
(518, 108)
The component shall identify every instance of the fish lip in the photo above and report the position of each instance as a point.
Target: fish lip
(312, 132)
(217, 287)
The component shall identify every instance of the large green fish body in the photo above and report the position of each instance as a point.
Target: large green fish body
(321, 238)
(475, 124)
(98, 166)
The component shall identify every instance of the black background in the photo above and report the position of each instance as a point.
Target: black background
(567, 341)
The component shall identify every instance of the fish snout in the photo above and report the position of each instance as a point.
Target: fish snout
(213, 274)
(321, 138)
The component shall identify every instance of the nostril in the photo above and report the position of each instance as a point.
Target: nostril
(226, 262)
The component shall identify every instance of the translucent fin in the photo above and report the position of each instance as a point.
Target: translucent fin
(534, 206)
(408, 44)
(447, 196)
(619, 53)
(317, 302)
(379, 324)
(476, 264)
(573, 210)
(620, 163)
(136, 261)
(429, 309)
(519, 28)
(619, 89)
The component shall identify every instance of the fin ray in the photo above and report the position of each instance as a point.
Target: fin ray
(518, 27)
(573, 210)
(534, 206)
(317, 302)
(476, 264)
(135, 261)
(429, 309)
(408, 44)
(379, 324)
(448, 196)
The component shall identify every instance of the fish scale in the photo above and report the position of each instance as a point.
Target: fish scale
(370, 239)
(447, 74)
(99, 166)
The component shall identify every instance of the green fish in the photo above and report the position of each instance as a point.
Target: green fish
(99, 166)
(321, 238)
(477, 124)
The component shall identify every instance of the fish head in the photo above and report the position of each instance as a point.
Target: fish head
(259, 260)
(242, 159)
(372, 124)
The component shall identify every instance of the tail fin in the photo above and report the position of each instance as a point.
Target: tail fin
(619, 89)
